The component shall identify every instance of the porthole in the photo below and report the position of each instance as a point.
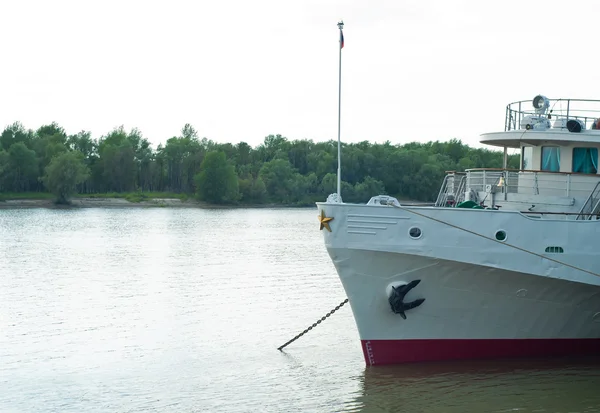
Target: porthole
(415, 233)
(500, 235)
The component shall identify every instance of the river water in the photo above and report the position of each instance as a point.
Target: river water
(182, 310)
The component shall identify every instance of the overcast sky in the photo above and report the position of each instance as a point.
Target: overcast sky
(239, 70)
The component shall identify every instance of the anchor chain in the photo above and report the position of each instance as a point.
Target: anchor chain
(314, 324)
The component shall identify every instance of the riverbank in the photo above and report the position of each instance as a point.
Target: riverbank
(135, 200)
(95, 203)
(113, 202)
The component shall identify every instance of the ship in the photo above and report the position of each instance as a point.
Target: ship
(505, 263)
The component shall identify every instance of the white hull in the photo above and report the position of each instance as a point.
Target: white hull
(463, 301)
(474, 287)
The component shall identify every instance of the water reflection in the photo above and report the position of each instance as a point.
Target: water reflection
(565, 385)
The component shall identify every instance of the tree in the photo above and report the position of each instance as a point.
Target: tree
(278, 176)
(64, 173)
(252, 190)
(188, 132)
(117, 160)
(48, 141)
(4, 166)
(22, 171)
(217, 181)
(368, 188)
(15, 133)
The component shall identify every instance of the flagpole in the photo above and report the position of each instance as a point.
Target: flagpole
(339, 170)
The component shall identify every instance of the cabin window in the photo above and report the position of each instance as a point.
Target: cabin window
(550, 158)
(526, 157)
(585, 160)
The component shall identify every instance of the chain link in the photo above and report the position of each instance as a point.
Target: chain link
(314, 324)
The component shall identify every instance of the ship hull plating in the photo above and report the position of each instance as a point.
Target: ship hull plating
(469, 311)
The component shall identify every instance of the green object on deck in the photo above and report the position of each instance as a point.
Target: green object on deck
(469, 205)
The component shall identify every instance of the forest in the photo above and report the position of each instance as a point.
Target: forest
(278, 171)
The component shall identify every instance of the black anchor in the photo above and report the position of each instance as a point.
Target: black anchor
(396, 299)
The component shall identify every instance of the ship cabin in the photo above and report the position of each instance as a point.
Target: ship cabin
(558, 177)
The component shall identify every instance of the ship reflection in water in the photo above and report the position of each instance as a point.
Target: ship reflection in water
(568, 385)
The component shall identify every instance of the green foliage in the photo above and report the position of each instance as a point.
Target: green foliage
(137, 196)
(217, 181)
(280, 179)
(4, 196)
(22, 168)
(15, 133)
(123, 164)
(4, 165)
(252, 191)
(64, 173)
(364, 190)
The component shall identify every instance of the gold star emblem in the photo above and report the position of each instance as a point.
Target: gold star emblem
(324, 221)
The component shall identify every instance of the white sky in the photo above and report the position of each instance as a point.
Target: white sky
(239, 70)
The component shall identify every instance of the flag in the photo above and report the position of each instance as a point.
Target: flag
(341, 39)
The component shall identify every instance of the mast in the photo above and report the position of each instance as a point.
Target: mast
(339, 170)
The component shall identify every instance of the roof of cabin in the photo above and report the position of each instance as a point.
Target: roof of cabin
(560, 137)
(563, 122)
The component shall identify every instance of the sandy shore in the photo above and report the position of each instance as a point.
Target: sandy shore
(151, 203)
(103, 203)
(123, 203)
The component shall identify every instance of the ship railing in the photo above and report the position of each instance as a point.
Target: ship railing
(443, 194)
(585, 110)
(452, 189)
(591, 206)
(531, 182)
(460, 192)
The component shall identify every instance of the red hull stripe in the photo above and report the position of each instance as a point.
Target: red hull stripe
(380, 352)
